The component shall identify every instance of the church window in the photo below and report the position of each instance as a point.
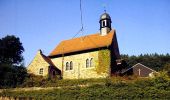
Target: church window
(108, 24)
(41, 71)
(103, 23)
(67, 66)
(87, 63)
(71, 65)
(91, 62)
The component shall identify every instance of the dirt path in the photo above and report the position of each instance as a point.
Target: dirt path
(40, 88)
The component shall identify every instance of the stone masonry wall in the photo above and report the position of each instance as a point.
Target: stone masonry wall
(37, 63)
(79, 66)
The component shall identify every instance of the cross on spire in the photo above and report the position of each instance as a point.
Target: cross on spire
(104, 5)
(105, 10)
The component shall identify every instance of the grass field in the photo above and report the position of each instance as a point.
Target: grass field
(156, 88)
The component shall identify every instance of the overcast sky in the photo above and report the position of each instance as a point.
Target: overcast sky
(142, 26)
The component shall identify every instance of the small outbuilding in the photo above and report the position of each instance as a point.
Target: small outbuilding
(139, 70)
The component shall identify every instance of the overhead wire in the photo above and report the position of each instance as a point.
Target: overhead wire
(81, 18)
(82, 26)
(81, 12)
(77, 33)
(81, 30)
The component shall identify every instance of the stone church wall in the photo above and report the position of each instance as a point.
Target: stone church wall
(79, 70)
(37, 63)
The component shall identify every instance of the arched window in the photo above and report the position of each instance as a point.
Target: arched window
(87, 63)
(71, 65)
(91, 62)
(67, 66)
(103, 23)
(108, 24)
(41, 71)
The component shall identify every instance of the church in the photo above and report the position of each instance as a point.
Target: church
(91, 56)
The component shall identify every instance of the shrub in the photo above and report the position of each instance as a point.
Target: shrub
(112, 88)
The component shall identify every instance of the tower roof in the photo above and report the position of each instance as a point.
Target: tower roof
(105, 16)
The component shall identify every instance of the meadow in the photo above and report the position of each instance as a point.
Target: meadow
(101, 89)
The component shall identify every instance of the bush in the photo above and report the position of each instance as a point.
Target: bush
(155, 88)
(11, 76)
(39, 81)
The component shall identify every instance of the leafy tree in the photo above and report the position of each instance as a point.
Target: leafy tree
(167, 68)
(11, 50)
(154, 61)
(11, 76)
(12, 72)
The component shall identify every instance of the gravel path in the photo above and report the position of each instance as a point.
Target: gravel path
(40, 88)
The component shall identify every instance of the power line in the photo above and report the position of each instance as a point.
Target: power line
(81, 18)
(77, 33)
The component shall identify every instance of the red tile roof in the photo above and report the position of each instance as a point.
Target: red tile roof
(48, 60)
(83, 43)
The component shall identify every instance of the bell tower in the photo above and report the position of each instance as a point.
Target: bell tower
(105, 24)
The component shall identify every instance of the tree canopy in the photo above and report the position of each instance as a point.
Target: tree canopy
(11, 50)
(154, 61)
(12, 71)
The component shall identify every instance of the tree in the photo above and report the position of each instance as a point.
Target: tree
(154, 61)
(167, 68)
(11, 76)
(11, 50)
(12, 71)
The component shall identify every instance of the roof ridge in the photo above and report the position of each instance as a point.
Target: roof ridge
(86, 36)
(139, 64)
(86, 42)
(80, 37)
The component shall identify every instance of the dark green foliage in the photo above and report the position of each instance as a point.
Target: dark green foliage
(104, 61)
(11, 50)
(39, 81)
(157, 88)
(11, 76)
(12, 72)
(167, 68)
(154, 61)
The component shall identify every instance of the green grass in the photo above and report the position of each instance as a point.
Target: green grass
(40, 82)
(157, 88)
